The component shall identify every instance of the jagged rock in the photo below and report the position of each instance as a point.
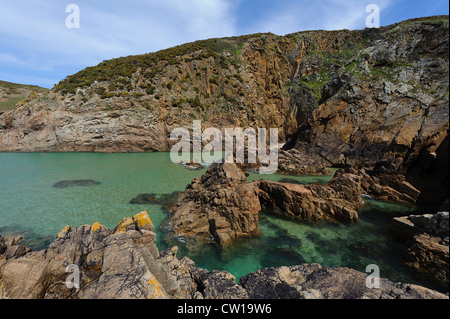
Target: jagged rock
(293, 162)
(220, 206)
(405, 227)
(433, 224)
(384, 183)
(125, 263)
(11, 248)
(312, 281)
(71, 183)
(218, 285)
(149, 198)
(430, 255)
(119, 263)
(339, 199)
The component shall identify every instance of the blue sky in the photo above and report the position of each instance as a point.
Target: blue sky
(37, 48)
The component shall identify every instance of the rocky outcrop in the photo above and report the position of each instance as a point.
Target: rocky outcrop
(221, 206)
(124, 263)
(293, 162)
(338, 200)
(312, 281)
(383, 182)
(389, 102)
(426, 244)
(119, 263)
(429, 255)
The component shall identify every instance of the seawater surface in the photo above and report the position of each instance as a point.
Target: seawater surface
(30, 206)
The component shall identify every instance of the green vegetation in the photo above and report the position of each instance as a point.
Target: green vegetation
(12, 93)
(121, 69)
(9, 104)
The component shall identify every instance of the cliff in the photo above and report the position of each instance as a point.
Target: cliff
(350, 98)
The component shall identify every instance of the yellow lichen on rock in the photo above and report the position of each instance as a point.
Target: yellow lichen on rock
(63, 232)
(154, 282)
(96, 226)
(122, 226)
(142, 220)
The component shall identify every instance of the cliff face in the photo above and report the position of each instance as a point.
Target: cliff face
(388, 104)
(345, 97)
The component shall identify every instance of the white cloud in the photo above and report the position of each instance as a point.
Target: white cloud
(319, 15)
(36, 31)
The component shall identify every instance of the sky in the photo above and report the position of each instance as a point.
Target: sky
(40, 46)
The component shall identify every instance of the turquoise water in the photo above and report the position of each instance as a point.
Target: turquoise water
(29, 205)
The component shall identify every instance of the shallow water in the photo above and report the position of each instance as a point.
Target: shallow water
(29, 205)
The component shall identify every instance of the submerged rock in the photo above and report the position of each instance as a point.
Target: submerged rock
(149, 198)
(79, 182)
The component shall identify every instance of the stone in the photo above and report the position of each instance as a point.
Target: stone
(218, 285)
(338, 200)
(402, 228)
(313, 281)
(220, 206)
(429, 255)
(125, 265)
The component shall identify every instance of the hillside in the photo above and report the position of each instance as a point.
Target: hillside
(12, 93)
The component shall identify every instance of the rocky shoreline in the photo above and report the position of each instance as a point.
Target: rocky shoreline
(126, 263)
(221, 206)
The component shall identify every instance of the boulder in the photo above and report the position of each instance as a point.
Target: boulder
(219, 206)
(338, 200)
(294, 162)
(312, 281)
(429, 255)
